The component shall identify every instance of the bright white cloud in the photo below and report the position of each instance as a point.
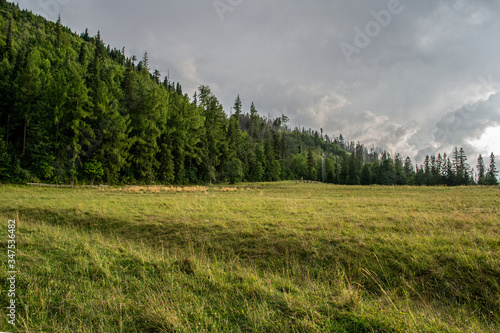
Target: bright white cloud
(488, 142)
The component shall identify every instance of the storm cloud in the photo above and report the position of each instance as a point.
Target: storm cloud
(412, 77)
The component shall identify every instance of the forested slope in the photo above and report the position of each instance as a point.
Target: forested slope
(71, 106)
(75, 110)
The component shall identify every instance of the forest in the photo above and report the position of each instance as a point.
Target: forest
(73, 110)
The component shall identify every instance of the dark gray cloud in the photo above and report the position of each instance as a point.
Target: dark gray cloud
(414, 69)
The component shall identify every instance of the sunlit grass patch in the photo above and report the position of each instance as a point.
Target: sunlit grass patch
(277, 257)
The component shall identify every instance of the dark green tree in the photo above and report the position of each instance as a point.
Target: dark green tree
(234, 171)
(365, 175)
(254, 122)
(77, 116)
(481, 171)
(399, 172)
(93, 169)
(310, 165)
(491, 177)
(215, 143)
(28, 86)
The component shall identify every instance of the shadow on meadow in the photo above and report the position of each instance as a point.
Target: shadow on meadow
(53, 280)
(377, 268)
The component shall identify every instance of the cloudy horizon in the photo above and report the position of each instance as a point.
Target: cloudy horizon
(410, 77)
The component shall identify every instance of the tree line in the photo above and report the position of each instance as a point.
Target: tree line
(73, 110)
(363, 168)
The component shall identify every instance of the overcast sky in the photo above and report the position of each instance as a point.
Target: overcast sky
(414, 77)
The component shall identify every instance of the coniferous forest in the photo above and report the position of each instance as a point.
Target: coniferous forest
(74, 110)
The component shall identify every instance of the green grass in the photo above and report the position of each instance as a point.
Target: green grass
(281, 257)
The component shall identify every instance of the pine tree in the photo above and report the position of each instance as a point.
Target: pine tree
(215, 133)
(82, 55)
(145, 62)
(28, 86)
(437, 171)
(166, 168)
(85, 36)
(272, 167)
(99, 46)
(237, 107)
(400, 175)
(353, 171)
(463, 176)
(387, 173)
(427, 168)
(254, 122)
(481, 171)
(178, 89)
(156, 76)
(234, 171)
(257, 162)
(365, 175)
(58, 32)
(76, 116)
(195, 98)
(234, 132)
(408, 167)
(491, 177)
(310, 164)
(7, 50)
(450, 174)
(5, 167)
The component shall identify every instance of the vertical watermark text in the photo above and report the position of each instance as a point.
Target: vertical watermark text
(12, 272)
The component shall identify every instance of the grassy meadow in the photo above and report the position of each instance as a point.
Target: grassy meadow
(277, 257)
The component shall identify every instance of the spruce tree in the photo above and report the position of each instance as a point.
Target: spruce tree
(28, 86)
(7, 50)
(82, 55)
(400, 175)
(310, 164)
(77, 116)
(254, 122)
(408, 167)
(234, 132)
(215, 144)
(365, 175)
(237, 107)
(491, 178)
(481, 171)
(58, 32)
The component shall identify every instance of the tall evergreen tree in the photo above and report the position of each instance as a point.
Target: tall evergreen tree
(28, 88)
(399, 173)
(408, 167)
(254, 122)
(215, 133)
(234, 132)
(481, 171)
(491, 177)
(310, 165)
(8, 50)
(365, 178)
(76, 117)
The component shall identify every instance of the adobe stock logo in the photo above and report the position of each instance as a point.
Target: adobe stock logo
(372, 29)
(224, 6)
(52, 7)
(486, 88)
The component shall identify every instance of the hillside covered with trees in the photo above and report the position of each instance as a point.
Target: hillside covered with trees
(74, 110)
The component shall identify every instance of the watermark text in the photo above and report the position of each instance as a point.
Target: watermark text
(12, 271)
